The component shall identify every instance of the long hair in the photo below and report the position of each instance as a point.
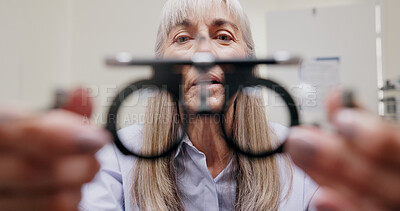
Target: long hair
(258, 182)
(154, 183)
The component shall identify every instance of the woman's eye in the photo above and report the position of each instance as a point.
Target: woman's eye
(224, 38)
(182, 39)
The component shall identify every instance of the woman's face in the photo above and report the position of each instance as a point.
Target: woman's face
(216, 33)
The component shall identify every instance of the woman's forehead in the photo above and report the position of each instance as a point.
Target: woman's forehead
(196, 15)
(180, 12)
(215, 16)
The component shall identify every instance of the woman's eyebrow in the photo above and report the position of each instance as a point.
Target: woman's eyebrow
(221, 22)
(185, 23)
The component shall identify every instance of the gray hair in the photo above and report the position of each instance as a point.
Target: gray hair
(171, 16)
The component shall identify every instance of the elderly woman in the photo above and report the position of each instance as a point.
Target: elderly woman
(46, 158)
(204, 174)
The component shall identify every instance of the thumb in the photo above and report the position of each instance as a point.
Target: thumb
(338, 99)
(327, 199)
(79, 102)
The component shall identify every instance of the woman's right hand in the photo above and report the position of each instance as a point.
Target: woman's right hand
(46, 158)
(358, 167)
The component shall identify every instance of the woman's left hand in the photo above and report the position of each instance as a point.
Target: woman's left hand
(357, 167)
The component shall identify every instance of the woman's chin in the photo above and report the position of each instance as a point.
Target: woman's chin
(215, 101)
(214, 104)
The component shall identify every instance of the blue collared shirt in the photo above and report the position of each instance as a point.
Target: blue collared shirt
(111, 187)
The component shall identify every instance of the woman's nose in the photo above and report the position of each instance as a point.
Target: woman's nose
(203, 43)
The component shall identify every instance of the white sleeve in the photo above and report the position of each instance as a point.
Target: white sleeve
(105, 191)
(311, 189)
(303, 187)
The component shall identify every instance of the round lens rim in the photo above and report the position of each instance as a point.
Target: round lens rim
(290, 105)
(113, 114)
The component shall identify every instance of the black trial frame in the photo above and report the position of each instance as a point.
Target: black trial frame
(238, 74)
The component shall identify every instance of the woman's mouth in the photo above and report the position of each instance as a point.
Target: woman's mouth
(208, 80)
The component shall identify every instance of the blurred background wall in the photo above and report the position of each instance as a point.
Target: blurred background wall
(49, 44)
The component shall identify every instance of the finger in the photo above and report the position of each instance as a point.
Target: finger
(383, 137)
(327, 199)
(11, 113)
(75, 170)
(376, 139)
(331, 162)
(317, 154)
(338, 99)
(20, 174)
(79, 102)
(60, 200)
(334, 100)
(55, 133)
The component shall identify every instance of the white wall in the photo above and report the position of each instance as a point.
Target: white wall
(259, 8)
(391, 36)
(103, 27)
(34, 49)
(347, 32)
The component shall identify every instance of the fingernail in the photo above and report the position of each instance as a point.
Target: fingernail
(345, 123)
(61, 98)
(301, 148)
(92, 141)
(348, 98)
(316, 124)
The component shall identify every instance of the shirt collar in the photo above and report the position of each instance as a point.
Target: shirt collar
(186, 141)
